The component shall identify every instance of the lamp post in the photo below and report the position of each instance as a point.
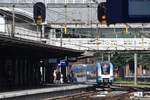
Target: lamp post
(13, 22)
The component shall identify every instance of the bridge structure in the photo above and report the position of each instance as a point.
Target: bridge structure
(51, 5)
(103, 44)
(78, 15)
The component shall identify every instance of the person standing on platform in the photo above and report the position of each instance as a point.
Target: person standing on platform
(73, 78)
(54, 74)
(68, 74)
(61, 79)
(58, 76)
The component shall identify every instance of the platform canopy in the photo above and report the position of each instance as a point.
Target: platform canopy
(18, 47)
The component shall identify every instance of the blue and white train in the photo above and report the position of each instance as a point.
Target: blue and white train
(104, 73)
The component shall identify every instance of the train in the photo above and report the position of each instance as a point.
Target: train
(84, 72)
(101, 72)
(104, 73)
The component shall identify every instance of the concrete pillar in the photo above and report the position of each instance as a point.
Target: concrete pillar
(32, 72)
(127, 70)
(135, 69)
(109, 57)
(38, 72)
(102, 57)
(88, 60)
(1, 73)
(25, 72)
(13, 23)
(28, 72)
(21, 72)
(139, 70)
(16, 72)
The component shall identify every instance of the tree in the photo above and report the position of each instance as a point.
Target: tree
(120, 60)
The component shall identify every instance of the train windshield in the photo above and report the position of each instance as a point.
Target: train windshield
(105, 68)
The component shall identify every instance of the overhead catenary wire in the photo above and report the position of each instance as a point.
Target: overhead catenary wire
(26, 20)
(53, 18)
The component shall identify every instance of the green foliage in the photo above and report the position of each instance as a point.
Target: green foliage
(119, 79)
(120, 60)
(144, 59)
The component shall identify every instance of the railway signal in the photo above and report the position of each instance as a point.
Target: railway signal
(101, 13)
(39, 13)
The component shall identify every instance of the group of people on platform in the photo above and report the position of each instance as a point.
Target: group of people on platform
(59, 78)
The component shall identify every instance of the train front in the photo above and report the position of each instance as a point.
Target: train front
(104, 73)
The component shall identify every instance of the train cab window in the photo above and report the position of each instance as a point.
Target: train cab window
(105, 69)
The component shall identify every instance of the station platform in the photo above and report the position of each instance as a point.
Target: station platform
(28, 92)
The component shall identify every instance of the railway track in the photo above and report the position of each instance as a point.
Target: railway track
(112, 93)
(77, 96)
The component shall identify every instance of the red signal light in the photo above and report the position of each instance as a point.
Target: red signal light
(103, 17)
(39, 17)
